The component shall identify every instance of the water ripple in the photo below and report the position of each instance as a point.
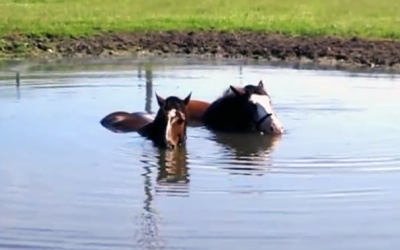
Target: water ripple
(330, 182)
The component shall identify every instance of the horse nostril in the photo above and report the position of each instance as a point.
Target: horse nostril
(170, 145)
(272, 129)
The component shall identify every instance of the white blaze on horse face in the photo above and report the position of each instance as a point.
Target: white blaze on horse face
(168, 133)
(271, 125)
(263, 105)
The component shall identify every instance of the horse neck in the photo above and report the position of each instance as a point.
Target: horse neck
(232, 108)
(159, 125)
(234, 102)
(241, 114)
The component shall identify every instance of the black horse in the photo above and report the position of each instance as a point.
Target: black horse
(246, 109)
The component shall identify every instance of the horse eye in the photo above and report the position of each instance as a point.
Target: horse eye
(180, 121)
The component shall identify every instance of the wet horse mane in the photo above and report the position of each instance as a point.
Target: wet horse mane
(230, 111)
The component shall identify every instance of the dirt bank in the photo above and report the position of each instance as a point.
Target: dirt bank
(328, 51)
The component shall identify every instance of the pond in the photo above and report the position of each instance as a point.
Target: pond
(330, 182)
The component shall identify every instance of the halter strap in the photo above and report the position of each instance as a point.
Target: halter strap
(262, 119)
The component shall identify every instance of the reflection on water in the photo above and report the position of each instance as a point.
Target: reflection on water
(246, 152)
(149, 235)
(172, 166)
(149, 90)
(67, 183)
(172, 179)
(247, 145)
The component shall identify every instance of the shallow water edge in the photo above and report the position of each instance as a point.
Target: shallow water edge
(297, 52)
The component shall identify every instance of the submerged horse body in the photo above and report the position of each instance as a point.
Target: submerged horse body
(168, 129)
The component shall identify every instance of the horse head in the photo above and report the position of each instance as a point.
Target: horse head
(259, 108)
(171, 120)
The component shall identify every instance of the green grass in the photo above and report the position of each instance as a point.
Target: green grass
(364, 18)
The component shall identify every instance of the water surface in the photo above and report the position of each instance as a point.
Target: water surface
(331, 182)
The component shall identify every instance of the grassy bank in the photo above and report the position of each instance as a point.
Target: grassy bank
(363, 18)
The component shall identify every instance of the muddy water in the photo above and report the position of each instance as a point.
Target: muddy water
(331, 182)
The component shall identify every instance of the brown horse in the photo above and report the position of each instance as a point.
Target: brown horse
(168, 129)
(247, 109)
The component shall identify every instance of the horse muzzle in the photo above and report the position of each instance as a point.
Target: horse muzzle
(170, 145)
(270, 124)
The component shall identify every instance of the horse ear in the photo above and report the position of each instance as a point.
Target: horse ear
(160, 100)
(261, 84)
(187, 99)
(234, 90)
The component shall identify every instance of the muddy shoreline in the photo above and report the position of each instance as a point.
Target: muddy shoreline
(321, 51)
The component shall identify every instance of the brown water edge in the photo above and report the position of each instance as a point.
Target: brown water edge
(330, 52)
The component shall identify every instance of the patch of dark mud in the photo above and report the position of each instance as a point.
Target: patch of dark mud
(329, 51)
